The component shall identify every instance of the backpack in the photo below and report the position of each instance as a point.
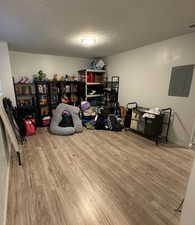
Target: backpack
(30, 127)
(106, 110)
(101, 123)
(25, 112)
(113, 123)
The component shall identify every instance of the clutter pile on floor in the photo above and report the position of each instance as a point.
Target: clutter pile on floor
(67, 120)
(101, 118)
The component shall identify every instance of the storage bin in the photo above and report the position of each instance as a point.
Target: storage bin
(153, 127)
(99, 78)
(141, 125)
(134, 124)
(135, 115)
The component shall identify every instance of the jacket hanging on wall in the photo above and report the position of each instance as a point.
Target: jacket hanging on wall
(12, 115)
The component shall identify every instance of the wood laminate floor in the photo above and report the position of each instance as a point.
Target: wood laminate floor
(97, 178)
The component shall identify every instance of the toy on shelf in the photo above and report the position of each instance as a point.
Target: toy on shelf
(73, 78)
(41, 76)
(23, 80)
(56, 77)
(66, 77)
(97, 64)
(42, 88)
(65, 99)
(62, 78)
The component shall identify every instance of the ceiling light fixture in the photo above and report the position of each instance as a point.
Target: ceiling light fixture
(88, 41)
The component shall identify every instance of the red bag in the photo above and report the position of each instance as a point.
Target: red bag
(90, 77)
(30, 127)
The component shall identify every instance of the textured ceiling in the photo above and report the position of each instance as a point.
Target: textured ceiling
(56, 26)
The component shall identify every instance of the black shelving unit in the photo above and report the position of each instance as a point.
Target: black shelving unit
(54, 88)
(111, 90)
(70, 90)
(43, 99)
(50, 93)
(46, 95)
(26, 99)
(25, 94)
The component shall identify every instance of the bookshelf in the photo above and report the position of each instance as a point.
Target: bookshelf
(93, 83)
(50, 93)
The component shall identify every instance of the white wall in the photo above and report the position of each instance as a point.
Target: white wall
(27, 64)
(5, 72)
(145, 75)
(7, 90)
(4, 174)
(188, 215)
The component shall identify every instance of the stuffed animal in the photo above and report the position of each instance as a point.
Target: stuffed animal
(66, 77)
(65, 99)
(56, 77)
(42, 76)
(62, 78)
